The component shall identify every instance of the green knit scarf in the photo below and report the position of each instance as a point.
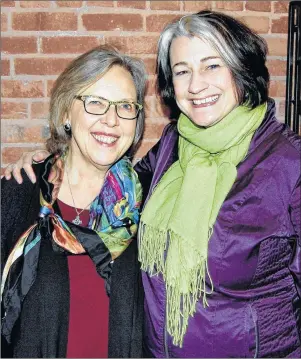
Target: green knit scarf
(178, 220)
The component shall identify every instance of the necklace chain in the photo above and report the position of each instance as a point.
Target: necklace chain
(76, 220)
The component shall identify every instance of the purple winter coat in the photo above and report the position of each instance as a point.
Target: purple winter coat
(254, 255)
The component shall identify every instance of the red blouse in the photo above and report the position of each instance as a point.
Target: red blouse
(89, 303)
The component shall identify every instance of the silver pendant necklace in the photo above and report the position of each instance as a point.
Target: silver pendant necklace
(76, 220)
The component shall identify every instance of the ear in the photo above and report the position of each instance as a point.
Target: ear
(66, 119)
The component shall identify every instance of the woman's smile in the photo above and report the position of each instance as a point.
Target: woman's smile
(105, 139)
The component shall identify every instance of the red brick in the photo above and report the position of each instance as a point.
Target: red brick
(259, 24)
(277, 67)
(154, 108)
(134, 44)
(44, 21)
(13, 110)
(21, 134)
(68, 44)
(150, 86)
(153, 131)
(145, 146)
(277, 46)
(277, 88)
(165, 5)
(35, 4)
(7, 3)
(22, 89)
(229, 5)
(39, 110)
(69, 3)
(3, 22)
(106, 22)
(38, 66)
(18, 45)
(5, 67)
(12, 154)
(157, 23)
(281, 108)
(100, 3)
(150, 65)
(149, 105)
(280, 25)
(281, 6)
(258, 5)
(132, 4)
(196, 6)
(50, 84)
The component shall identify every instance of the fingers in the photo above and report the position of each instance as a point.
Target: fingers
(16, 172)
(25, 162)
(40, 156)
(8, 170)
(12, 170)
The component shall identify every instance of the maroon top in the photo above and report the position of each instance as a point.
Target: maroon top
(89, 303)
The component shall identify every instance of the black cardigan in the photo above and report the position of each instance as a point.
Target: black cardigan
(42, 330)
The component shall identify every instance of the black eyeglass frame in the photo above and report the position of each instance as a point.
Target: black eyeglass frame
(115, 103)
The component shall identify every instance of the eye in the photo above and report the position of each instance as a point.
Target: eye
(213, 66)
(93, 101)
(127, 106)
(180, 73)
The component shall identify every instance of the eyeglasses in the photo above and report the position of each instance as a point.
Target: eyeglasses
(96, 105)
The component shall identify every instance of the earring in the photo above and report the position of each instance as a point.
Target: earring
(67, 126)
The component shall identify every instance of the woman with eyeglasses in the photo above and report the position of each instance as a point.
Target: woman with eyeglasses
(71, 282)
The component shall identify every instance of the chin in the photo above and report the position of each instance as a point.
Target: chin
(204, 121)
(104, 162)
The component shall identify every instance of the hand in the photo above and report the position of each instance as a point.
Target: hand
(25, 162)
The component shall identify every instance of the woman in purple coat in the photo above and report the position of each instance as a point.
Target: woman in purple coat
(219, 237)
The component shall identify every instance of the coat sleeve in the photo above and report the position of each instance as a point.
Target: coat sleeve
(19, 206)
(295, 215)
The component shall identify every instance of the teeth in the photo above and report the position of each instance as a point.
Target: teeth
(205, 100)
(105, 139)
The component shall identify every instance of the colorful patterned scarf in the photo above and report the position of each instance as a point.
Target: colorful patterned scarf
(114, 217)
(178, 220)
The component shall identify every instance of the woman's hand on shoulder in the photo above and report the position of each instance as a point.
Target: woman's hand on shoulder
(25, 162)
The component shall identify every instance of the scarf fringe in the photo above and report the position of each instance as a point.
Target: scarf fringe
(180, 305)
(151, 249)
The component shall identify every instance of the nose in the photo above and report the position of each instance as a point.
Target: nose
(197, 83)
(110, 118)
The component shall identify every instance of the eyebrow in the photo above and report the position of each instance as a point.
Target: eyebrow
(103, 98)
(204, 59)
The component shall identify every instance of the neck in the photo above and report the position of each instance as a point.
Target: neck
(82, 181)
(80, 171)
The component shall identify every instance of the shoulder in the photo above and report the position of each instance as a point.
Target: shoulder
(275, 141)
(278, 134)
(278, 151)
(291, 140)
(12, 188)
(168, 144)
(286, 145)
(170, 130)
(19, 208)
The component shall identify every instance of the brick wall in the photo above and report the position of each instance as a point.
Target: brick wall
(40, 37)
